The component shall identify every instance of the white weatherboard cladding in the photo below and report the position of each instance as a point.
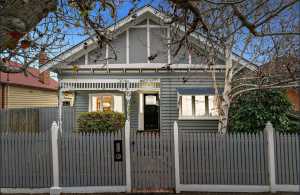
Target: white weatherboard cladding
(138, 45)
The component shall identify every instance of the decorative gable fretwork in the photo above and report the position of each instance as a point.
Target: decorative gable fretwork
(110, 84)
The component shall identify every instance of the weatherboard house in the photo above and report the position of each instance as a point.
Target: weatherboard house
(146, 82)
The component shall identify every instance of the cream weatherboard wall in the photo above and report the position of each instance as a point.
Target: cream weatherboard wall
(24, 97)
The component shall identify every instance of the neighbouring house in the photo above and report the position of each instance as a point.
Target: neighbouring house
(289, 67)
(145, 81)
(294, 97)
(37, 89)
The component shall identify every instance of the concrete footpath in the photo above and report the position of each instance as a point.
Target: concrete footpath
(201, 193)
(182, 193)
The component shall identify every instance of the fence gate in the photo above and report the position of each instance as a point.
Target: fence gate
(152, 162)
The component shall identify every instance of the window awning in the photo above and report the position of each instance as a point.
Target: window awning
(198, 90)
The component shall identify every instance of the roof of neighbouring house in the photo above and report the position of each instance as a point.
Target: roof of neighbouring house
(31, 80)
(282, 65)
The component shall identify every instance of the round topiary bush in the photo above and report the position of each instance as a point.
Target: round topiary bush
(92, 122)
(250, 111)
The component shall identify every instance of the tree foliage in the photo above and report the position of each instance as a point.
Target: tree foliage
(250, 111)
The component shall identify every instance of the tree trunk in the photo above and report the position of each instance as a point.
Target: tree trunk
(223, 121)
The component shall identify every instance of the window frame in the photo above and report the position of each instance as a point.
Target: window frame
(91, 95)
(194, 117)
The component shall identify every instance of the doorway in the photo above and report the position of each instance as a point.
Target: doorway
(151, 112)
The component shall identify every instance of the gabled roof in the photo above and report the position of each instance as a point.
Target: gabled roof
(123, 22)
(32, 80)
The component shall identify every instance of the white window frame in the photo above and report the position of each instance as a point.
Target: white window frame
(194, 117)
(91, 95)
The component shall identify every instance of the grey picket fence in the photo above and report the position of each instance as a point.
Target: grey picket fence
(88, 159)
(26, 160)
(152, 161)
(204, 158)
(19, 120)
(233, 159)
(287, 154)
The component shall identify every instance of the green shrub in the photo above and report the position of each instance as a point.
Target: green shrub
(100, 122)
(250, 111)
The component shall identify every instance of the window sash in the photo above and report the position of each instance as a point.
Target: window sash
(212, 109)
(187, 105)
(200, 107)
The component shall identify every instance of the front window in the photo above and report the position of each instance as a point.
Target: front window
(106, 102)
(198, 106)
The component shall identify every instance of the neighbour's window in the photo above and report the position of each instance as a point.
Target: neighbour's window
(106, 103)
(197, 106)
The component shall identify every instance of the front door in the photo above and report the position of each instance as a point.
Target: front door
(151, 112)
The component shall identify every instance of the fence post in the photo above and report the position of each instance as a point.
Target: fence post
(55, 166)
(271, 156)
(60, 109)
(176, 156)
(127, 155)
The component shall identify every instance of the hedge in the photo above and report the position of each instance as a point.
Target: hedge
(89, 122)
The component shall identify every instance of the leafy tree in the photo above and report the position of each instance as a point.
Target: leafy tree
(250, 111)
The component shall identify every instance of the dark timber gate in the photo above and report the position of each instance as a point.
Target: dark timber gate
(152, 161)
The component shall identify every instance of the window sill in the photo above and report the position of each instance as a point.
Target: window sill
(199, 118)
